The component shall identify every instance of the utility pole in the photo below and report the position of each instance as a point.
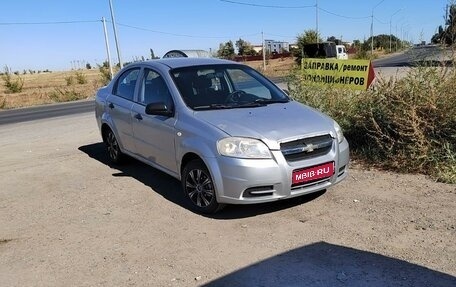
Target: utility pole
(372, 27)
(391, 19)
(396, 37)
(372, 33)
(107, 45)
(264, 51)
(115, 34)
(316, 19)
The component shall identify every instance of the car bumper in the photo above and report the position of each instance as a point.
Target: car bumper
(248, 181)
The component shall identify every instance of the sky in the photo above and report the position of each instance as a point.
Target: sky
(33, 35)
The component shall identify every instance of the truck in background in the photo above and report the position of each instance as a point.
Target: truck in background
(341, 52)
(325, 50)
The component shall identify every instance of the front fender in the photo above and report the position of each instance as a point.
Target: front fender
(195, 145)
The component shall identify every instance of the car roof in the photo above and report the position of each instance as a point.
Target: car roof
(173, 63)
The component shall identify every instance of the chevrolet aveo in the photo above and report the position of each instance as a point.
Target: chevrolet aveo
(226, 132)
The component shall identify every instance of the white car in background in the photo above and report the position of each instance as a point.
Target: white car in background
(341, 52)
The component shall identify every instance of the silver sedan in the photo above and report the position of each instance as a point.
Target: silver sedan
(228, 133)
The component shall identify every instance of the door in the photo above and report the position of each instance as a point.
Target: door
(154, 135)
(119, 105)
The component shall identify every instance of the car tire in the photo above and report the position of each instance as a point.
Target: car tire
(199, 188)
(112, 147)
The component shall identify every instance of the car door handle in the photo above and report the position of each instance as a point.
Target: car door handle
(138, 117)
(111, 106)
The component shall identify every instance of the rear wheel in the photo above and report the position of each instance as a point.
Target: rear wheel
(112, 147)
(199, 188)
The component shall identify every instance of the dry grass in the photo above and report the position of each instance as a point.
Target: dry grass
(404, 124)
(45, 88)
(274, 68)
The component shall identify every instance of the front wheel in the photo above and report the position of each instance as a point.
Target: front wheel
(199, 188)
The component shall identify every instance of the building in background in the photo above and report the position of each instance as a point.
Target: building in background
(273, 46)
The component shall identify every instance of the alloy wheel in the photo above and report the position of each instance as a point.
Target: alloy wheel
(199, 188)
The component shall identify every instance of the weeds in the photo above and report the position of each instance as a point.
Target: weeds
(81, 78)
(65, 95)
(105, 75)
(3, 103)
(78, 77)
(405, 125)
(69, 80)
(12, 85)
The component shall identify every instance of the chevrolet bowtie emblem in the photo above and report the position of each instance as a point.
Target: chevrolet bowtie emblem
(309, 148)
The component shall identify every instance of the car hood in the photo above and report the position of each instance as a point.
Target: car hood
(273, 124)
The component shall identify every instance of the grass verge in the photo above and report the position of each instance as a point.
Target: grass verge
(404, 125)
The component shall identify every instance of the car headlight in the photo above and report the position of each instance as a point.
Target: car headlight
(339, 133)
(243, 148)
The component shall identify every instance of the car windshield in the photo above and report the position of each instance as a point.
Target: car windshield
(225, 87)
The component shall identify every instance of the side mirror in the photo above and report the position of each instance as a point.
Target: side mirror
(159, 109)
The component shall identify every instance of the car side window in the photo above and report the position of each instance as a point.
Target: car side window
(125, 85)
(154, 89)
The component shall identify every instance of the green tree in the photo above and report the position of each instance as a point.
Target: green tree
(439, 36)
(226, 50)
(334, 40)
(356, 43)
(244, 48)
(308, 37)
(450, 33)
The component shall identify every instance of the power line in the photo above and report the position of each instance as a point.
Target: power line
(47, 23)
(343, 16)
(294, 7)
(268, 6)
(379, 21)
(124, 25)
(282, 36)
(181, 35)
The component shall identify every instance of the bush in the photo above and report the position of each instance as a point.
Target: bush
(64, 95)
(12, 85)
(3, 103)
(81, 78)
(405, 125)
(69, 80)
(362, 54)
(105, 73)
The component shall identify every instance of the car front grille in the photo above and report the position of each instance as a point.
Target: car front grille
(306, 148)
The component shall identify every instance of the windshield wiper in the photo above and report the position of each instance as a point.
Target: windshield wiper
(212, 107)
(251, 105)
(271, 101)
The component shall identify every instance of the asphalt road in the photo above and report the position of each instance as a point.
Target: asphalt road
(429, 54)
(45, 111)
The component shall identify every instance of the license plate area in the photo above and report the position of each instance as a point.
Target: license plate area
(313, 173)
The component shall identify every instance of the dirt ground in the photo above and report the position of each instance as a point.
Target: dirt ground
(68, 218)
